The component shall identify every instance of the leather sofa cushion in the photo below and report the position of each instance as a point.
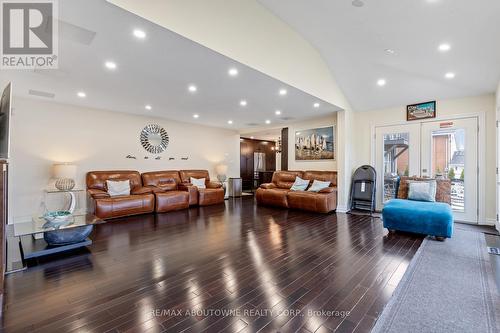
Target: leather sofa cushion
(187, 174)
(324, 176)
(97, 179)
(106, 208)
(166, 180)
(210, 196)
(312, 201)
(171, 201)
(285, 179)
(272, 197)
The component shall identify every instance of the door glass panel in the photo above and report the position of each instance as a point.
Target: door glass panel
(396, 161)
(448, 161)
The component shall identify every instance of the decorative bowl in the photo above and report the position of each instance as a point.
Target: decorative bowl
(57, 216)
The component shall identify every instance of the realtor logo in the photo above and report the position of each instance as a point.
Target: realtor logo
(29, 34)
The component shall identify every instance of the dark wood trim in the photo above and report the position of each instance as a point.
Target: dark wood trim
(284, 149)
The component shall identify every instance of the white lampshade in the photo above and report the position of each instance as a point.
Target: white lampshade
(221, 169)
(64, 170)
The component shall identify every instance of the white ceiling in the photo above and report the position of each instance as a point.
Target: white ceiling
(353, 42)
(272, 134)
(156, 71)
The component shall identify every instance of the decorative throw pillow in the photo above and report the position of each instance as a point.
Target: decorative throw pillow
(118, 187)
(422, 190)
(318, 185)
(299, 184)
(198, 182)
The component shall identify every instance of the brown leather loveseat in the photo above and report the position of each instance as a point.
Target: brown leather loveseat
(140, 201)
(278, 193)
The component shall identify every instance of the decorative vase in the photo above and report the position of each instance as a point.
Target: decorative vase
(65, 184)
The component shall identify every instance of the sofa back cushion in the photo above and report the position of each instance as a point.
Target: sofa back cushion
(443, 189)
(323, 176)
(97, 179)
(167, 180)
(285, 179)
(187, 174)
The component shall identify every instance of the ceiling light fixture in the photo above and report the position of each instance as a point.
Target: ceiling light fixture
(277, 112)
(358, 3)
(449, 75)
(192, 88)
(110, 65)
(390, 51)
(268, 121)
(381, 82)
(139, 34)
(316, 105)
(243, 103)
(283, 92)
(196, 116)
(81, 94)
(232, 72)
(444, 47)
(230, 122)
(251, 137)
(148, 107)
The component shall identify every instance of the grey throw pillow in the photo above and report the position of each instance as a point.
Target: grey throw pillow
(422, 190)
(299, 184)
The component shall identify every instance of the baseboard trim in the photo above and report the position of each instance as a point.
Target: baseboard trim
(497, 225)
(491, 222)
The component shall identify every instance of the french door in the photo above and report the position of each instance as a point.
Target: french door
(431, 149)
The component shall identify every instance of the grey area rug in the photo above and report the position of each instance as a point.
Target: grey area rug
(448, 287)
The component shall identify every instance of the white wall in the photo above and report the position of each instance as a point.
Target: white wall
(497, 224)
(44, 133)
(364, 121)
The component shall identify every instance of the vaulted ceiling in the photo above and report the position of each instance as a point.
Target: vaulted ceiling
(398, 41)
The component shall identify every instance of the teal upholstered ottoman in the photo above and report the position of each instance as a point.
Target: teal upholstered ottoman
(428, 218)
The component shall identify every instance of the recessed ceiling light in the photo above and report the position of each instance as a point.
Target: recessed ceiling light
(283, 92)
(251, 137)
(81, 94)
(449, 75)
(268, 121)
(192, 88)
(316, 105)
(148, 107)
(196, 116)
(358, 3)
(390, 51)
(139, 34)
(229, 122)
(232, 72)
(444, 47)
(277, 112)
(381, 82)
(243, 103)
(110, 65)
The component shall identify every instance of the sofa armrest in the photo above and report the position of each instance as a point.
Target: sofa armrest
(185, 186)
(141, 190)
(98, 194)
(328, 190)
(213, 185)
(267, 186)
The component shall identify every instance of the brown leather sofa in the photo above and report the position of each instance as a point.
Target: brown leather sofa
(140, 201)
(213, 194)
(165, 186)
(278, 193)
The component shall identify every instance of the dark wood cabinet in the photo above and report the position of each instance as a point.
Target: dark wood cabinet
(248, 172)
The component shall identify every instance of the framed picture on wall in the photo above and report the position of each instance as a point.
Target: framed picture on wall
(421, 111)
(315, 144)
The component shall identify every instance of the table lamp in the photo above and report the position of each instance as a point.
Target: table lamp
(65, 174)
(221, 170)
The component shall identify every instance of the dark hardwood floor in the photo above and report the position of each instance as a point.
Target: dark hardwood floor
(236, 268)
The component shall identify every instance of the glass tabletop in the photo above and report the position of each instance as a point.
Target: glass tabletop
(55, 190)
(39, 224)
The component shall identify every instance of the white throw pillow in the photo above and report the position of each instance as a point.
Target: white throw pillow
(299, 184)
(198, 182)
(422, 190)
(120, 187)
(318, 185)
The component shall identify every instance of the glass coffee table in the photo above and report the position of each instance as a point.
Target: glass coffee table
(39, 237)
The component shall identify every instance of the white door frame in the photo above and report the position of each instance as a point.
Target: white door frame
(481, 152)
